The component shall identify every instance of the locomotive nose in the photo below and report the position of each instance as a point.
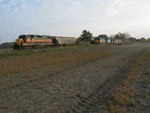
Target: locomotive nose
(17, 44)
(19, 41)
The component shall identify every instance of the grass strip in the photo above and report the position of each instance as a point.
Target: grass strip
(41, 50)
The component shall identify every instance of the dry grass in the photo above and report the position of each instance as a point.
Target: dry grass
(115, 109)
(123, 96)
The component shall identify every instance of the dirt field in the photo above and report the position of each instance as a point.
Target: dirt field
(70, 81)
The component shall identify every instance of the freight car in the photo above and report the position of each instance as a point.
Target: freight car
(99, 41)
(25, 41)
(108, 41)
(64, 40)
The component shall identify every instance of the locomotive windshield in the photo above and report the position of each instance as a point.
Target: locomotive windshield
(22, 37)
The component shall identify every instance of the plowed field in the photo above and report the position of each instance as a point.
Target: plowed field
(69, 81)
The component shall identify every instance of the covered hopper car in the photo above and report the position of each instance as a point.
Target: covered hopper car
(42, 40)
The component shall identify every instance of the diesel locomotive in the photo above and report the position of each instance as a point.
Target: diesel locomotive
(25, 41)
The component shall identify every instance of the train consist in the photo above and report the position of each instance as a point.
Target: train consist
(25, 41)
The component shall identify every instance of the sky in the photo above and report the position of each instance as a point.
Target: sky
(71, 17)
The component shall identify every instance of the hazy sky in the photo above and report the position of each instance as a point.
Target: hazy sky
(70, 17)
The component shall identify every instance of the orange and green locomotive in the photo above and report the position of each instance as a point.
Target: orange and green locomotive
(25, 41)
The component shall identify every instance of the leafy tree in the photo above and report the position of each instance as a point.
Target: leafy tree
(78, 41)
(7, 45)
(132, 39)
(142, 39)
(148, 39)
(122, 35)
(127, 35)
(85, 36)
(103, 36)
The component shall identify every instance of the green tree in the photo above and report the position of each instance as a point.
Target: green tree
(142, 39)
(85, 36)
(7, 45)
(120, 36)
(132, 39)
(103, 36)
(148, 39)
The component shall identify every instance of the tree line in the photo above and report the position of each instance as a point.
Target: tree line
(87, 36)
(7, 45)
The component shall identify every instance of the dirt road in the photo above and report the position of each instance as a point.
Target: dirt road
(70, 81)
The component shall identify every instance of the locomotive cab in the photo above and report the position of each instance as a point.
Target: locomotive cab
(23, 37)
